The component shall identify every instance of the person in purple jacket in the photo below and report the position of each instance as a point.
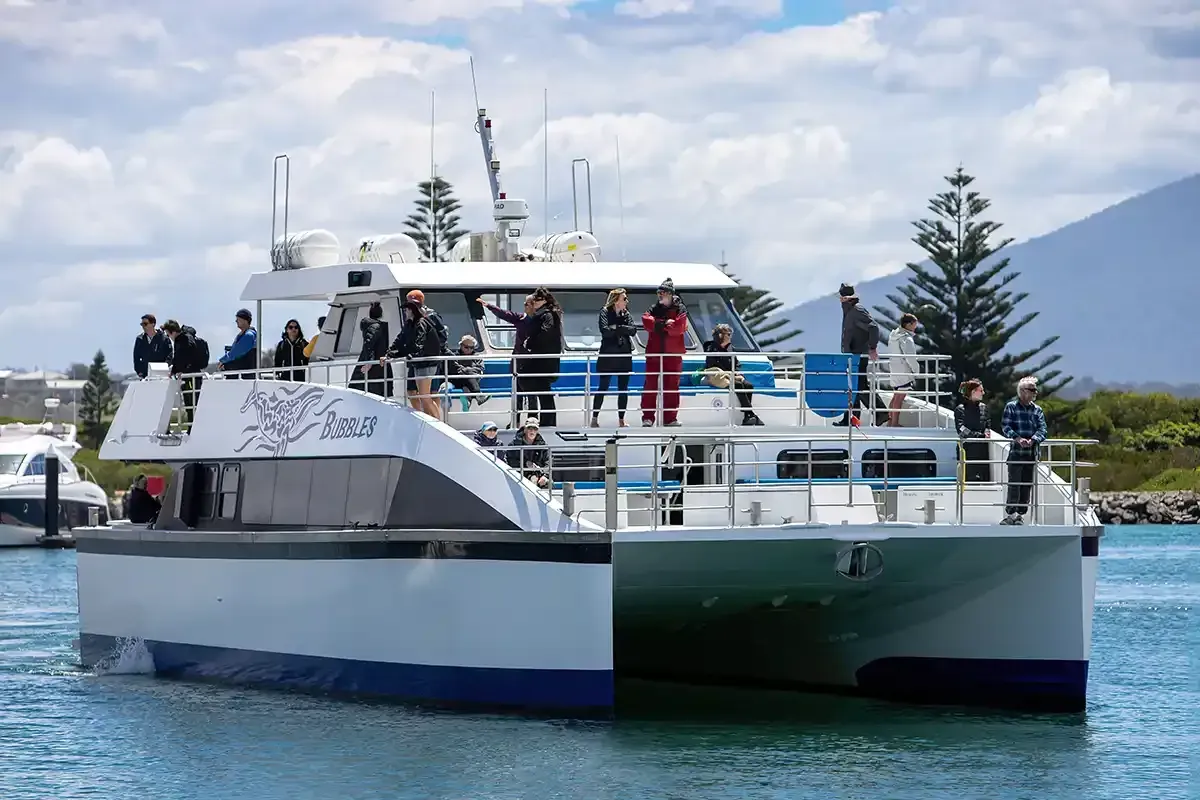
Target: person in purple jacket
(523, 324)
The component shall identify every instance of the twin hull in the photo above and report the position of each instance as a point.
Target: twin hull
(978, 614)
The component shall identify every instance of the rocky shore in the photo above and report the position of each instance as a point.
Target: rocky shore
(1146, 508)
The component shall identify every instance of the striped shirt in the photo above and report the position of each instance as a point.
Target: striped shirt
(1023, 422)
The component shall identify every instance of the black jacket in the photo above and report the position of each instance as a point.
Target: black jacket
(972, 420)
(616, 332)
(290, 354)
(155, 351)
(185, 357)
(860, 332)
(143, 507)
(417, 341)
(467, 366)
(374, 340)
(532, 461)
(721, 359)
(545, 339)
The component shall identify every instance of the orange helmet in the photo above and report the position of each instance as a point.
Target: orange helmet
(416, 294)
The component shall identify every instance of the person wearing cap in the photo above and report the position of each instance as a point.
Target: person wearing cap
(466, 370)
(529, 454)
(860, 337)
(487, 437)
(243, 355)
(666, 324)
(1024, 423)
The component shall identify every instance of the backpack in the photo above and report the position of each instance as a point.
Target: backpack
(443, 332)
(201, 355)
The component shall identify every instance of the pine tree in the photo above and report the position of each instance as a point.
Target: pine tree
(962, 301)
(755, 307)
(97, 403)
(434, 225)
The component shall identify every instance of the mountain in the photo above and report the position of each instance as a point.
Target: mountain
(1121, 287)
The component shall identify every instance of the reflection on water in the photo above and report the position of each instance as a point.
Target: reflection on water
(66, 734)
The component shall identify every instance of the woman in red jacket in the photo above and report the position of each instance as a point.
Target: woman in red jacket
(666, 324)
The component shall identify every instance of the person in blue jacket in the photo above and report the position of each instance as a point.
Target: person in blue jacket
(243, 354)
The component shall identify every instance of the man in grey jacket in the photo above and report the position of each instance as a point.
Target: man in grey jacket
(860, 337)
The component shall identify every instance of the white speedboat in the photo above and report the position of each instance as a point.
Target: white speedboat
(314, 535)
(24, 448)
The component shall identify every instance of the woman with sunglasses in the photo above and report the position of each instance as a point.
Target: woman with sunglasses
(290, 361)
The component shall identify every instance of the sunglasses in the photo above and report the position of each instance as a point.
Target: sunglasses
(292, 328)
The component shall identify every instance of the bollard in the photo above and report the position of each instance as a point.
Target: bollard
(568, 498)
(51, 504)
(930, 512)
(93, 516)
(755, 512)
(1083, 494)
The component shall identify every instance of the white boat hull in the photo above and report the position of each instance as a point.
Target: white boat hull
(19, 535)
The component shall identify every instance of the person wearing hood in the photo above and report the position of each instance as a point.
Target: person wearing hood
(903, 366)
(371, 374)
(243, 354)
(488, 439)
(143, 506)
(189, 357)
(666, 325)
(529, 454)
(860, 337)
(289, 353)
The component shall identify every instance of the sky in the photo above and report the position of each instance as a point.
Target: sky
(797, 138)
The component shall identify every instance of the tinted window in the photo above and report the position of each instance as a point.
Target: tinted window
(347, 330)
(10, 464)
(709, 309)
(897, 463)
(455, 313)
(826, 464)
(37, 465)
(581, 313)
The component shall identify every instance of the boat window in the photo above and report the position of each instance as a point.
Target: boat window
(900, 463)
(709, 309)
(641, 302)
(37, 465)
(455, 313)
(208, 490)
(10, 465)
(826, 464)
(581, 315)
(229, 491)
(349, 327)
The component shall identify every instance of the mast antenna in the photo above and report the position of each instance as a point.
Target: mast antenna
(433, 254)
(545, 162)
(620, 197)
(509, 214)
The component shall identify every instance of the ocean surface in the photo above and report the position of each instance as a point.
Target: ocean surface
(66, 733)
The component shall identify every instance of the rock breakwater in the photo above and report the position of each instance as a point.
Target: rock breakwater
(1147, 508)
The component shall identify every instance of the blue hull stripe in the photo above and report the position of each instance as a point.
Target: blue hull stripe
(579, 691)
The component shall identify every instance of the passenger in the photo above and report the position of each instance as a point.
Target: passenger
(1025, 424)
(312, 343)
(544, 345)
(528, 453)
(243, 355)
(143, 506)
(372, 374)
(719, 369)
(521, 328)
(443, 333)
(290, 353)
(466, 372)
(973, 421)
(666, 321)
(150, 347)
(418, 343)
(903, 367)
(860, 337)
(487, 437)
(189, 358)
(617, 330)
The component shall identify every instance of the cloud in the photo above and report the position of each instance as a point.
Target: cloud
(141, 132)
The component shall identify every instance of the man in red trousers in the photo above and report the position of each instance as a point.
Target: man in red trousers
(666, 324)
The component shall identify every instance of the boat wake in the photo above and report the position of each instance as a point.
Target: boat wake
(130, 657)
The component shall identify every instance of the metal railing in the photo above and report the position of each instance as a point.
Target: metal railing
(708, 493)
(785, 392)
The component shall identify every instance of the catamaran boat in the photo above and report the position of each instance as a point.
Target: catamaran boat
(318, 536)
(24, 448)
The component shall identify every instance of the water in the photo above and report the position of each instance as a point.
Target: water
(66, 734)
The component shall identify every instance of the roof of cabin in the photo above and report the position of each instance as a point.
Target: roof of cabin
(318, 283)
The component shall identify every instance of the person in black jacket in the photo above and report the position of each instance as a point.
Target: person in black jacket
(150, 347)
(418, 342)
(617, 330)
(721, 366)
(143, 506)
(372, 375)
(466, 370)
(973, 421)
(860, 337)
(529, 454)
(544, 344)
(188, 358)
(290, 353)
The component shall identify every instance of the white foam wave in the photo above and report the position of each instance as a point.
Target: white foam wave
(130, 657)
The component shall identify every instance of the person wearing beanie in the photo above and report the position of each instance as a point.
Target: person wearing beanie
(666, 324)
(243, 354)
(860, 337)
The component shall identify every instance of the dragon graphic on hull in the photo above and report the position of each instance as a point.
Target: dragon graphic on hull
(283, 417)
